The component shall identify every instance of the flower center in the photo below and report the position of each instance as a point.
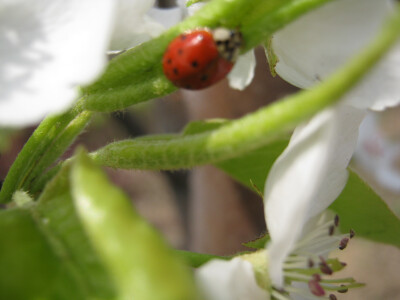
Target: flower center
(307, 269)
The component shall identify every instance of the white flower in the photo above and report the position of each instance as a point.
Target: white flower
(305, 268)
(311, 172)
(229, 280)
(49, 47)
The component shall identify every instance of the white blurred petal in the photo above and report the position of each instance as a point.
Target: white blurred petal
(312, 47)
(377, 154)
(243, 72)
(168, 17)
(229, 280)
(315, 45)
(48, 48)
(380, 88)
(307, 177)
(132, 24)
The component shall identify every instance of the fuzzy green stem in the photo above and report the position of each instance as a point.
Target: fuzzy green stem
(47, 143)
(58, 147)
(254, 130)
(35, 148)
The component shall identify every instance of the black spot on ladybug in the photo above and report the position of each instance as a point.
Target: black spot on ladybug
(176, 72)
(204, 77)
(183, 37)
(195, 64)
(180, 51)
(188, 86)
(169, 61)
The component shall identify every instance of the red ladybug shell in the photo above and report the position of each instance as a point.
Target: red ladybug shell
(192, 61)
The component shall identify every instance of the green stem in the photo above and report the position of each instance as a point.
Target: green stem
(58, 147)
(33, 149)
(254, 130)
(49, 136)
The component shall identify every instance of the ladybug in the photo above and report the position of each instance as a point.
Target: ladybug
(199, 58)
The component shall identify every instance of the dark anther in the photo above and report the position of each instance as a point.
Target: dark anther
(180, 51)
(343, 243)
(204, 77)
(332, 297)
(176, 72)
(331, 230)
(336, 220)
(310, 263)
(183, 37)
(324, 267)
(352, 233)
(316, 277)
(219, 42)
(343, 289)
(315, 288)
(195, 64)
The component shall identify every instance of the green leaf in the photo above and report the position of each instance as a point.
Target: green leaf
(59, 221)
(252, 168)
(29, 267)
(142, 265)
(258, 243)
(359, 208)
(44, 252)
(196, 260)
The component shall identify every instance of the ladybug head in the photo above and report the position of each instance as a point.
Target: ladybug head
(228, 42)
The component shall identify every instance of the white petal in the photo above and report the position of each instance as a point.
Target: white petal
(316, 44)
(132, 25)
(48, 47)
(307, 177)
(168, 17)
(377, 154)
(380, 89)
(229, 280)
(243, 72)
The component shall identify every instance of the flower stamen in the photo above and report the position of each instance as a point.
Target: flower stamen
(307, 267)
